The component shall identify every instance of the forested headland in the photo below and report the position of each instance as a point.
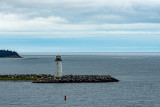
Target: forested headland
(8, 53)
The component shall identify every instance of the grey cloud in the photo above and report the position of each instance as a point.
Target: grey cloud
(87, 11)
(79, 17)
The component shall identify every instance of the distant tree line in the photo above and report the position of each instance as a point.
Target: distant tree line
(8, 53)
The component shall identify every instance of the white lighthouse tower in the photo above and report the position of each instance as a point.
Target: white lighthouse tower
(58, 71)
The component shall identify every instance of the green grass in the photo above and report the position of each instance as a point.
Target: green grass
(15, 79)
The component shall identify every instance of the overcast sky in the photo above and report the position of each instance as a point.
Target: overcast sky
(80, 25)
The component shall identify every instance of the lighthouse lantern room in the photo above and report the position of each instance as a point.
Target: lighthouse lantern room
(58, 71)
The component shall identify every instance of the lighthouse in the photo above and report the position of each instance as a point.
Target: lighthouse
(58, 71)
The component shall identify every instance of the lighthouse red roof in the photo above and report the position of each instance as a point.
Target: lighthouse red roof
(58, 58)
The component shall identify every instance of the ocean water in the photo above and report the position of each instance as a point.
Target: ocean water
(139, 85)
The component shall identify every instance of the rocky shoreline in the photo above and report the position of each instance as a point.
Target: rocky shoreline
(47, 78)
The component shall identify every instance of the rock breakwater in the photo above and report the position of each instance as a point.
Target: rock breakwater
(24, 76)
(77, 79)
(47, 78)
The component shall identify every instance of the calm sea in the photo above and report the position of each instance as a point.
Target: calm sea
(139, 85)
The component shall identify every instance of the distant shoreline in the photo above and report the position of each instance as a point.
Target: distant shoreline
(12, 57)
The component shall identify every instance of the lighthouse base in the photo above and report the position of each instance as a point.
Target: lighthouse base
(77, 79)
